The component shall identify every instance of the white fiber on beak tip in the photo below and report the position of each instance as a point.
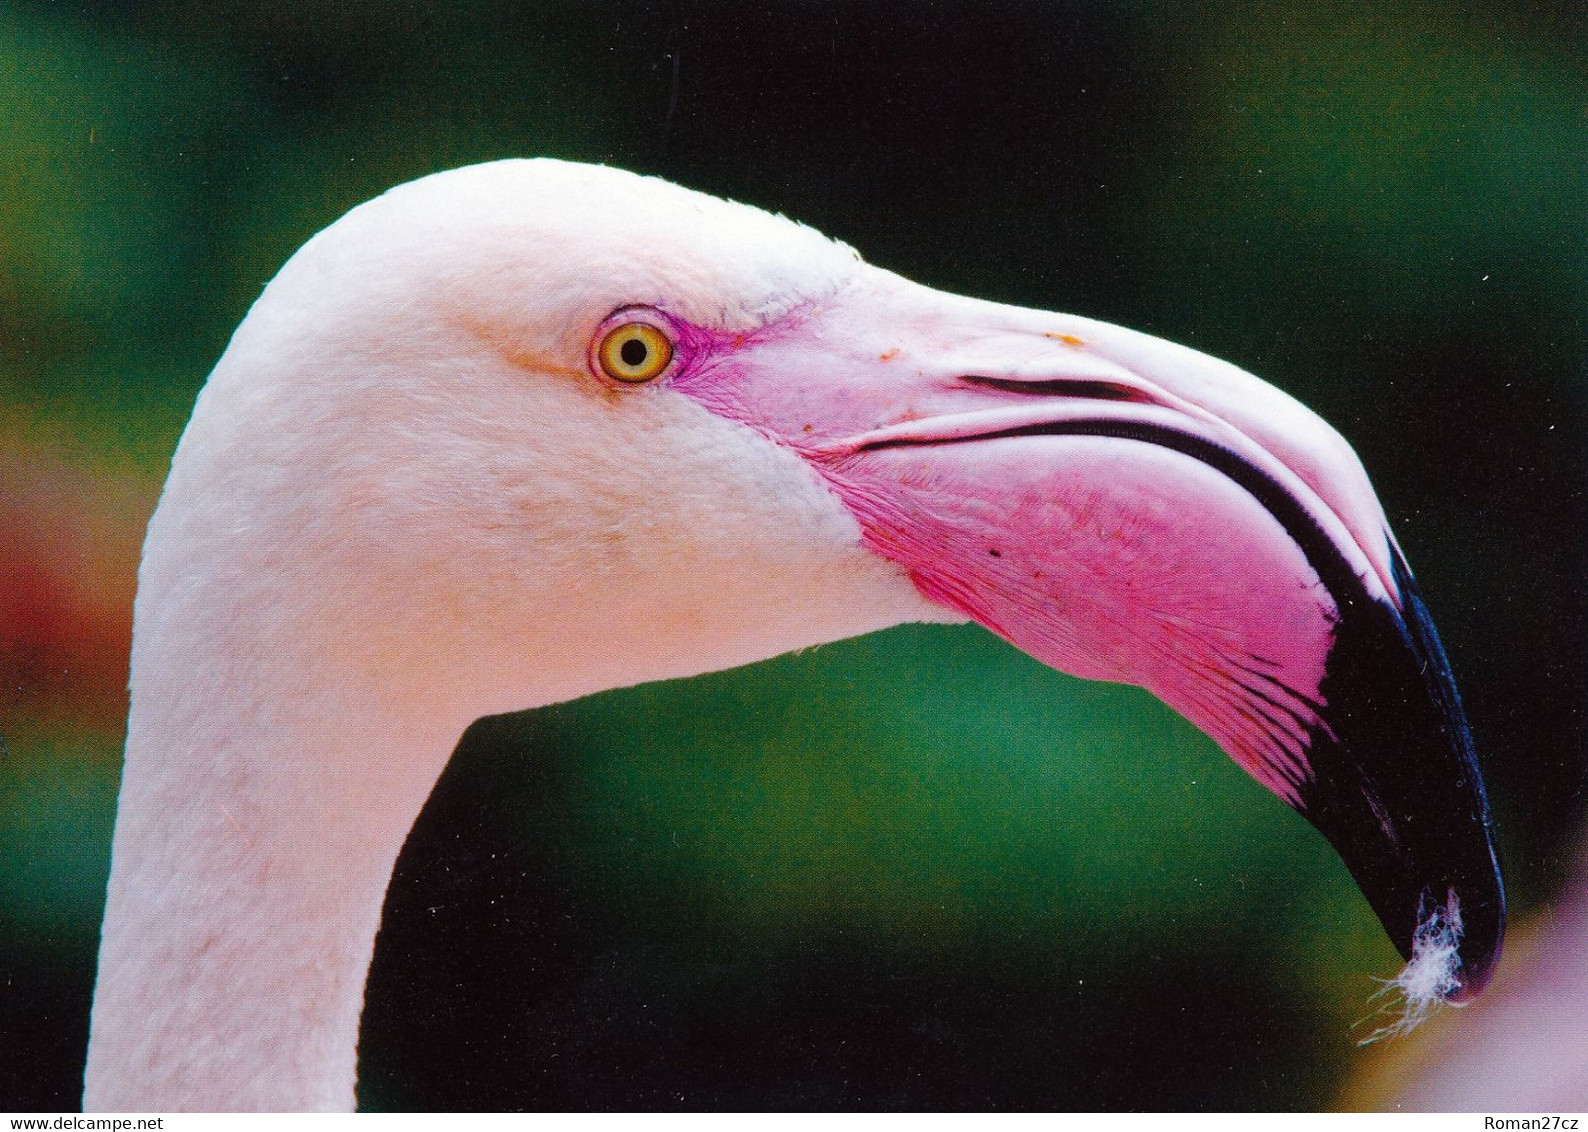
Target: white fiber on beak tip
(1429, 977)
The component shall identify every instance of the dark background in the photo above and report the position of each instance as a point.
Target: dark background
(917, 869)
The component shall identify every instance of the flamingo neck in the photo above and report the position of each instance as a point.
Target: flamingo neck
(256, 835)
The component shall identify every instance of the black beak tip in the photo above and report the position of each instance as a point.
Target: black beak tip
(1451, 941)
(1482, 936)
(1396, 788)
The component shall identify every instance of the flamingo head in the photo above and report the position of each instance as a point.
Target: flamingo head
(579, 428)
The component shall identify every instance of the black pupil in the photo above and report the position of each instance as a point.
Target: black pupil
(633, 352)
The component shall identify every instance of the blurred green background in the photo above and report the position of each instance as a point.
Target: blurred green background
(912, 870)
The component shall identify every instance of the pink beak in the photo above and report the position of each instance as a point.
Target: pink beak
(1123, 508)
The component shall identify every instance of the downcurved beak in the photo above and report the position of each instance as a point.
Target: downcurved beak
(1123, 508)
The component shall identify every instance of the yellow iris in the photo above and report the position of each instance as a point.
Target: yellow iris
(634, 352)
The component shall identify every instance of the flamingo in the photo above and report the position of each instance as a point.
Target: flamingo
(520, 432)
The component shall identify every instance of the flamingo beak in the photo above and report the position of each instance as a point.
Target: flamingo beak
(1123, 508)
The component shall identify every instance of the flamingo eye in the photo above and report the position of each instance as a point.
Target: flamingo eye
(634, 352)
